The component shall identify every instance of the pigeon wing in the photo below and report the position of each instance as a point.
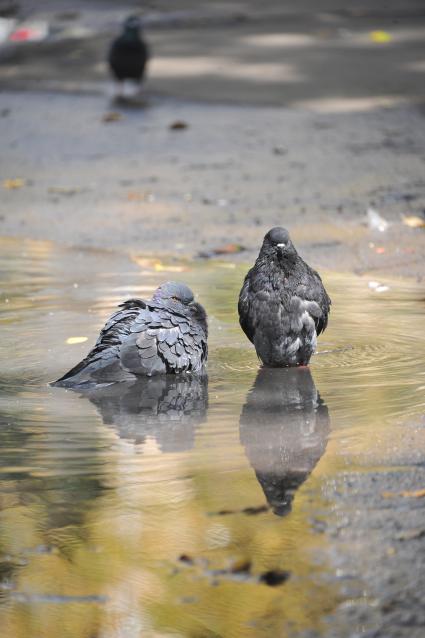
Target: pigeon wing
(311, 289)
(164, 342)
(245, 311)
(114, 332)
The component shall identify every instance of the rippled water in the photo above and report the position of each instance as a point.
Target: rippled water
(173, 508)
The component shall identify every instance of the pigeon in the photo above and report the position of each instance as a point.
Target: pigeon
(167, 334)
(129, 54)
(283, 304)
(165, 407)
(284, 427)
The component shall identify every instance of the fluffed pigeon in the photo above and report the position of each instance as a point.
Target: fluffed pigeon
(166, 407)
(284, 427)
(283, 304)
(129, 54)
(167, 334)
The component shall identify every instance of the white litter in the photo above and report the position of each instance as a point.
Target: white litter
(375, 221)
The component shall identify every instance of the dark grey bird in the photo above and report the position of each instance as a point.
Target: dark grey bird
(167, 334)
(129, 54)
(283, 305)
(284, 427)
(166, 407)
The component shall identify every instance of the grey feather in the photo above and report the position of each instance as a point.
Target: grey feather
(167, 334)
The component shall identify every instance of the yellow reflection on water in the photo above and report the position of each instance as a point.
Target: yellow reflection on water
(99, 500)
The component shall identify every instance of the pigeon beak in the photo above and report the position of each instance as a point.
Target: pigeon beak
(281, 245)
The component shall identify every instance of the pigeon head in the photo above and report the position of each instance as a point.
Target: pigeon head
(173, 291)
(278, 243)
(132, 25)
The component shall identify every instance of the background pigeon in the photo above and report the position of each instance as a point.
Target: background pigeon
(167, 334)
(129, 54)
(283, 305)
(166, 407)
(284, 428)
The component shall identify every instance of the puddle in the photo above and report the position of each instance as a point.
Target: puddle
(172, 508)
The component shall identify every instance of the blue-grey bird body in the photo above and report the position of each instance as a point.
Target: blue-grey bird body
(129, 54)
(283, 305)
(165, 335)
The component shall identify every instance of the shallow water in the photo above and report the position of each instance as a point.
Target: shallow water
(184, 509)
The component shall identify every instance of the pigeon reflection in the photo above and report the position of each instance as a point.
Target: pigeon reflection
(284, 427)
(166, 407)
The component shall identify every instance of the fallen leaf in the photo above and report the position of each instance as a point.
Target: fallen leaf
(380, 37)
(410, 534)
(112, 116)
(142, 196)
(405, 494)
(178, 125)
(159, 267)
(380, 250)
(13, 184)
(414, 493)
(414, 221)
(227, 249)
(73, 340)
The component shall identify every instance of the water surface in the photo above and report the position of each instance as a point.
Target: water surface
(168, 508)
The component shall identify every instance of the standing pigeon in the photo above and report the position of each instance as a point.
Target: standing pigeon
(283, 304)
(167, 334)
(129, 54)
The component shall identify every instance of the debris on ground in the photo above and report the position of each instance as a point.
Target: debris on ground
(64, 190)
(380, 37)
(30, 32)
(239, 570)
(414, 221)
(71, 341)
(178, 125)
(227, 249)
(14, 184)
(410, 535)
(378, 287)
(375, 221)
(405, 494)
(112, 116)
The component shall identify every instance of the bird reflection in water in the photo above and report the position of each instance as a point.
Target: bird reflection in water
(284, 427)
(168, 408)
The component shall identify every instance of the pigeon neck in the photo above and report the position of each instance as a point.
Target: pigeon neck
(274, 264)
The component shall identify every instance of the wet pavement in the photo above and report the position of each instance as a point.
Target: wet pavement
(137, 185)
(254, 503)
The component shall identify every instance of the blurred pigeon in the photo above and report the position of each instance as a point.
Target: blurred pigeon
(283, 305)
(129, 54)
(167, 334)
(166, 407)
(284, 428)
